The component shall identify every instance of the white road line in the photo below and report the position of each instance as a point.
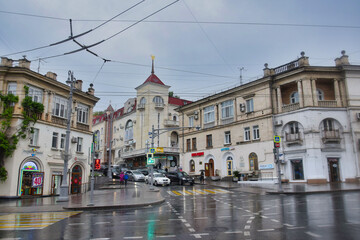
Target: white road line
(251, 217)
(295, 228)
(75, 224)
(234, 232)
(264, 216)
(140, 237)
(152, 221)
(187, 225)
(174, 219)
(198, 235)
(249, 221)
(247, 227)
(313, 234)
(128, 221)
(166, 236)
(274, 220)
(172, 194)
(246, 233)
(325, 226)
(183, 220)
(288, 225)
(223, 216)
(266, 230)
(199, 218)
(191, 230)
(102, 223)
(99, 238)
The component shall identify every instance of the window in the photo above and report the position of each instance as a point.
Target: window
(247, 134)
(34, 137)
(192, 166)
(36, 94)
(62, 141)
(227, 137)
(191, 121)
(297, 169)
(83, 113)
(79, 144)
(194, 144)
(188, 145)
(209, 115)
(294, 97)
(59, 107)
(294, 127)
(256, 132)
(12, 88)
(328, 125)
(227, 109)
(249, 105)
(209, 143)
(143, 101)
(54, 140)
(253, 162)
(320, 94)
(158, 99)
(129, 131)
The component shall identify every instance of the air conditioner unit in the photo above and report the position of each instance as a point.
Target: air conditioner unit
(74, 140)
(358, 116)
(279, 123)
(196, 115)
(242, 107)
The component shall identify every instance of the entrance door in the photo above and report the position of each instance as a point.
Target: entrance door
(334, 173)
(207, 170)
(211, 167)
(55, 184)
(76, 177)
(229, 166)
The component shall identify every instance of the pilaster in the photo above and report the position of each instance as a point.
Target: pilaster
(337, 92)
(300, 92)
(279, 100)
(314, 92)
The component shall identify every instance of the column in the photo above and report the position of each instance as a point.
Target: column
(314, 92)
(307, 93)
(337, 92)
(46, 104)
(235, 109)
(300, 92)
(273, 99)
(50, 105)
(20, 92)
(90, 118)
(279, 98)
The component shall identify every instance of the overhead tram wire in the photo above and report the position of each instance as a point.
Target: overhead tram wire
(72, 37)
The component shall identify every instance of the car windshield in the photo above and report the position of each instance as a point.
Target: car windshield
(158, 175)
(183, 174)
(137, 172)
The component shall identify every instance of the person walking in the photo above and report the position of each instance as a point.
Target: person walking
(121, 178)
(202, 177)
(126, 177)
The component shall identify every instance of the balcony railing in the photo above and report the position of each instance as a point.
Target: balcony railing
(58, 120)
(290, 107)
(171, 123)
(327, 103)
(82, 126)
(287, 67)
(141, 106)
(293, 138)
(209, 125)
(330, 136)
(159, 105)
(227, 121)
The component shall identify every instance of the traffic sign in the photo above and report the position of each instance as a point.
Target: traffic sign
(277, 139)
(277, 145)
(152, 150)
(159, 150)
(150, 161)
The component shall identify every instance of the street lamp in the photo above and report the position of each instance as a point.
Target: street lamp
(64, 188)
(110, 129)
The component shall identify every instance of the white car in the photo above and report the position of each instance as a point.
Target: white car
(159, 179)
(135, 175)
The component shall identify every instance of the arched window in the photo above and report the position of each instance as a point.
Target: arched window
(294, 97)
(192, 166)
(320, 94)
(158, 99)
(174, 118)
(229, 165)
(129, 131)
(143, 101)
(253, 162)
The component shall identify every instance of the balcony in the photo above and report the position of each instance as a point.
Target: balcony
(58, 120)
(293, 138)
(331, 136)
(328, 103)
(159, 106)
(290, 107)
(82, 126)
(171, 123)
(287, 67)
(227, 120)
(141, 106)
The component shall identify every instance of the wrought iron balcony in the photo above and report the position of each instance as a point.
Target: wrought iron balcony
(293, 138)
(331, 136)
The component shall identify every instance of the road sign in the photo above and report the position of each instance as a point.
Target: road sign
(152, 150)
(277, 139)
(150, 159)
(159, 150)
(277, 145)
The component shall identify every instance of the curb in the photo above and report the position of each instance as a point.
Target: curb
(313, 192)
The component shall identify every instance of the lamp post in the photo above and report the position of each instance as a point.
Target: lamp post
(64, 188)
(110, 129)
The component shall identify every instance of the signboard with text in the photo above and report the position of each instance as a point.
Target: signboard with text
(37, 179)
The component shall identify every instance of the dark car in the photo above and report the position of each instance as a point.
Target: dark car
(144, 171)
(180, 177)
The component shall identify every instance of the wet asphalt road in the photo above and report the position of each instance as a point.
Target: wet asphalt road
(203, 212)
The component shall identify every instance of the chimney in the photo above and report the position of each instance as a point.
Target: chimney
(24, 63)
(343, 60)
(78, 84)
(51, 75)
(91, 90)
(6, 62)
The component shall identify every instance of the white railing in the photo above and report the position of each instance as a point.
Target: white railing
(171, 123)
(287, 67)
(327, 103)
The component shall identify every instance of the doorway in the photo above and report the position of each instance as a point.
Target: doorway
(76, 177)
(55, 184)
(209, 168)
(333, 166)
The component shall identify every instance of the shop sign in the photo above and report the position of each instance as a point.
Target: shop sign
(266, 166)
(227, 149)
(159, 150)
(199, 154)
(37, 180)
(170, 158)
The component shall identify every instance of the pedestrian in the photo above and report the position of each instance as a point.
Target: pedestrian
(202, 177)
(121, 178)
(126, 177)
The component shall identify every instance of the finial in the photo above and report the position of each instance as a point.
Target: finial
(152, 68)
(302, 54)
(266, 65)
(343, 52)
(91, 85)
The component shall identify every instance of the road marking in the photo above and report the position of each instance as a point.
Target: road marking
(224, 216)
(175, 219)
(325, 226)
(187, 225)
(247, 227)
(152, 221)
(198, 191)
(199, 218)
(177, 193)
(295, 228)
(234, 232)
(246, 233)
(76, 224)
(173, 194)
(140, 237)
(166, 236)
(313, 234)
(209, 191)
(191, 230)
(266, 230)
(274, 220)
(249, 221)
(264, 216)
(188, 192)
(97, 223)
(198, 235)
(288, 225)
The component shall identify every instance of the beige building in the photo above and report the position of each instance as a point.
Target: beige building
(128, 130)
(314, 109)
(40, 155)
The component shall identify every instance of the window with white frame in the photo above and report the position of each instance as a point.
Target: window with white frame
(83, 113)
(55, 137)
(294, 97)
(227, 137)
(79, 144)
(143, 101)
(129, 131)
(36, 94)
(256, 132)
(294, 127)
(247, 134)
(34, 137)
(249, 105)
(12, 88)
(62, 141)
(158, 99)
(59, 106)
(191, 121)
(227, 109)
(320, 94)
(209, 114)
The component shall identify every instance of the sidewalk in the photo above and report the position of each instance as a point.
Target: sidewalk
(288, 188)
(109, 197)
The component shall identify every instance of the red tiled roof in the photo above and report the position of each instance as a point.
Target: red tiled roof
(178, 101)
(154, 79)
(118, 113)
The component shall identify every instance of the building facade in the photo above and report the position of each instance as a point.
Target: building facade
(128, 131)
(36, 166)
(315, 110)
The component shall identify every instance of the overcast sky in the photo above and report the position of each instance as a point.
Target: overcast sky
(199, 45)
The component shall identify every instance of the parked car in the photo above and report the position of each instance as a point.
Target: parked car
(144, 171)
(180, 177)
(135, 175)
(160, 171)
(116, 170)
(159, 179)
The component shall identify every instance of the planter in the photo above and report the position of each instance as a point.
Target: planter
(236, 179)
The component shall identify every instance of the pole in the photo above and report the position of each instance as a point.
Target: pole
(91, 203)
(151, 166)
(110, 146)
(64, 188)
(278, 170)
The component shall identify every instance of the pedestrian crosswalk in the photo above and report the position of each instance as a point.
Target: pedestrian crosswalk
(27, 221)
(192, 192)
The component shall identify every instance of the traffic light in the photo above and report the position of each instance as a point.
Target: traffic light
(149, 155)
(97, 164)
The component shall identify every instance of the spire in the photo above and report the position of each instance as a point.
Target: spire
(152, 68)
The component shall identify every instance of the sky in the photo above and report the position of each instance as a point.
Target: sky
(201, 47)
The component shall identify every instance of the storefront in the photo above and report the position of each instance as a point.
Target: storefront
(31, 179)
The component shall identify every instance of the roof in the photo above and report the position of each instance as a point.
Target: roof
(154, 79)
(118, 113)
(178, 101)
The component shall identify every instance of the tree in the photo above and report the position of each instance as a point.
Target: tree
(9, 138)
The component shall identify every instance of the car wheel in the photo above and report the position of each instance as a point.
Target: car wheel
(181, 182)
(146, 181)
(155, 183)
